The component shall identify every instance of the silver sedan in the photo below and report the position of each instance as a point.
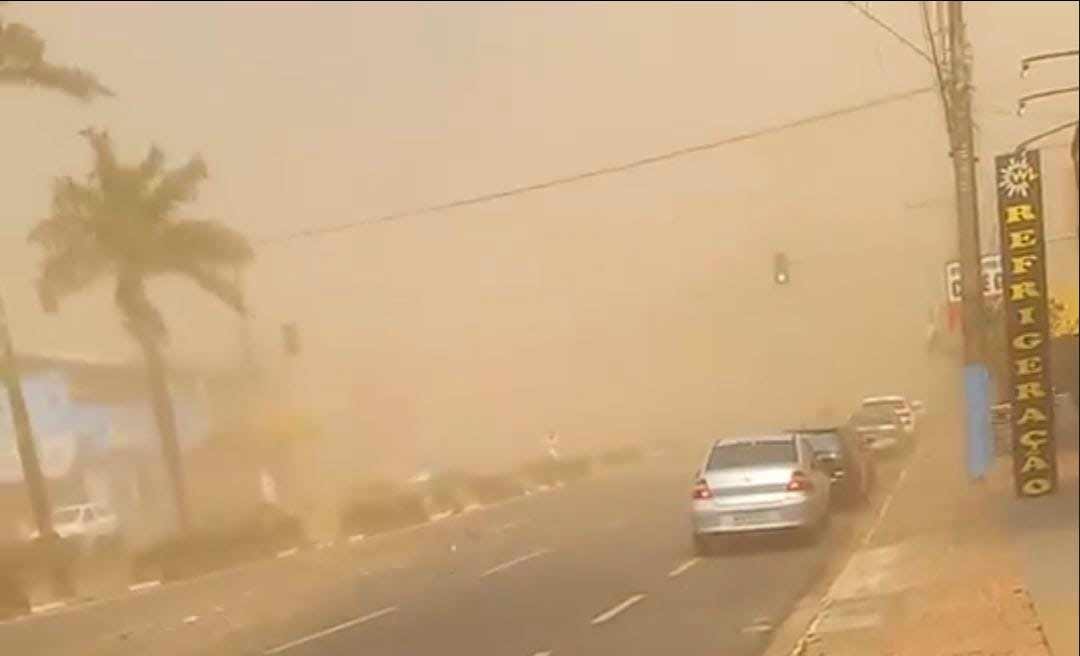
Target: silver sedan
(758, 484)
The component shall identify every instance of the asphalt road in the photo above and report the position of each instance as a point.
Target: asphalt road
(603, 566)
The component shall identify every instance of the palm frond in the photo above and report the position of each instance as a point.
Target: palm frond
(75, 82)
(178, 186)
(22, 61)
(20, 45)
(106, 169)
(60, 232)
(71, 270)
(74, 199)
(153, 164)
(185, 242)
(212, 280)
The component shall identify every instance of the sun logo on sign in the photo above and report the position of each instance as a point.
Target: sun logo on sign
(1016, 177)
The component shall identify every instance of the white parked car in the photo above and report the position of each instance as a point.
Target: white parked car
(897, 404)
(91, 522)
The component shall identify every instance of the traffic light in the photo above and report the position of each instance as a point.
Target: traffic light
(291, 337)
(781, 269)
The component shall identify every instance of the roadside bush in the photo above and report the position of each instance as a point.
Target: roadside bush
(447, 491)
(540, 472)
(621, 456)
(217, 547)
(372, 515)
(489, 488)
(572, 469)
(549, 472)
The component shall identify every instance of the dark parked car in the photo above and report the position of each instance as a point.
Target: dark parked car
(848, 461)
(881, 429)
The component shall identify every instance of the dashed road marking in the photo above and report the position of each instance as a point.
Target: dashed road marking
(682, 568)
(45, 608)
(144, 585)
(760, 625)
(359, 537)
(516, 561)
(612, 613)
(288, 552)
(333, 629)
(542, 653)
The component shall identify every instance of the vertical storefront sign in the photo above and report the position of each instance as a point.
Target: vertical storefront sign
(1023, 254)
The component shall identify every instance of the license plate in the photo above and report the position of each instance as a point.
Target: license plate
(752, 518)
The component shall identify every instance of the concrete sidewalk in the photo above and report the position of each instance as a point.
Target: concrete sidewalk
(950, 568)
(1045, 534)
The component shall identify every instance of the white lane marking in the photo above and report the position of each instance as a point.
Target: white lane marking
(359, 537)
(334, 629)
(885, 507)
(44, 608)
(440, 516)
(542, 653)
(610, 614)
(288, 552)
(472, 507)
(760, 625)
(508, 526)
(682, 568)
(517, 561)
(145, 585)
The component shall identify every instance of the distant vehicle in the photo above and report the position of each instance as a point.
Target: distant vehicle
(846, 458)
(880, 427)
(92, 523)
(758, 484)
(899, 405)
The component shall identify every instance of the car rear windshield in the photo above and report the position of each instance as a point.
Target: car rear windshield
(872, 415)
(823, 440)
(750, 454)
(895, 404)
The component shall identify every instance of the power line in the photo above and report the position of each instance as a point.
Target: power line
(888, 28)
(594, 173)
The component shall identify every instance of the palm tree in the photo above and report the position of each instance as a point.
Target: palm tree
(22, 62)
(122, 223)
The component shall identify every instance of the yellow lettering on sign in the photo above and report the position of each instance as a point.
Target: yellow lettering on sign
(1032, 390)
(1034, 439)
(1018, 213)
(1021, 290)
(1030, 415)
(1021, 264)
(1034, 463)
(1028, 366)
(1022, 239)
(1027, 341)
(1036, 487)
(1027, 315)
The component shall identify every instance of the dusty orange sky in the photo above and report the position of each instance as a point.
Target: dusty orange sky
(624, 306)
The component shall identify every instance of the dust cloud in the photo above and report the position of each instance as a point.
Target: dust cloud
(623, 309)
